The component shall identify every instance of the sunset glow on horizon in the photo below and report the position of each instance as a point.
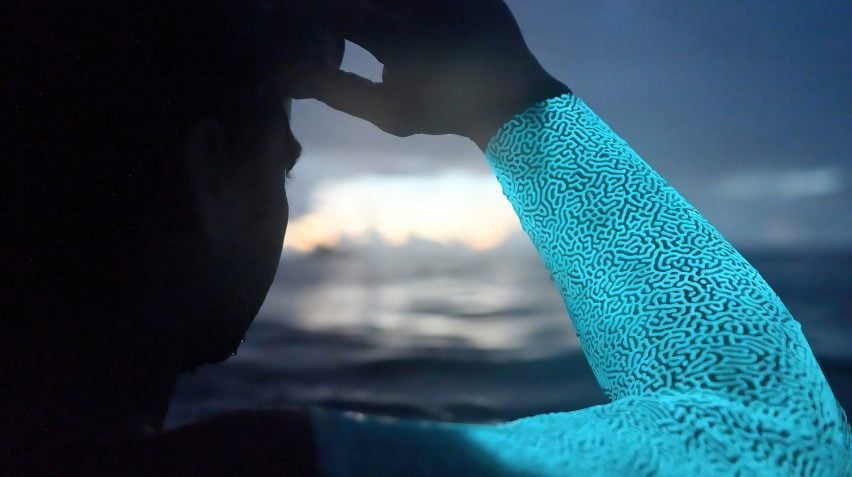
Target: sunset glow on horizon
(451, 208)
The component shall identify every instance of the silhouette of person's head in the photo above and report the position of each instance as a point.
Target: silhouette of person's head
(143, 196)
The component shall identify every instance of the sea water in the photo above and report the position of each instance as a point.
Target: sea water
(453, 334)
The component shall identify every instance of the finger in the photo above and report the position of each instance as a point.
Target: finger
(349, 93)
(366, 23)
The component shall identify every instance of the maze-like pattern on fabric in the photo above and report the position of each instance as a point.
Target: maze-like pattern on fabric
(708, 372)
(664, 307)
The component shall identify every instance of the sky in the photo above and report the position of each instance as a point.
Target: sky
(744, 107)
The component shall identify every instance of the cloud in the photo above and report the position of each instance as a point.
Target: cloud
(453, 207)
(791, 184)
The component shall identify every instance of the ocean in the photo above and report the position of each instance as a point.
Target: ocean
(443, 332)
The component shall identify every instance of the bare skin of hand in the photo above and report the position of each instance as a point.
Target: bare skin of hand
(450, 67)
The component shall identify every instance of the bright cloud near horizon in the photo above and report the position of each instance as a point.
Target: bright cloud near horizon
(697, 88)
(451, 208)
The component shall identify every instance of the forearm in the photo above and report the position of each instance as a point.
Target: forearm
(662, 303)
(659, 299)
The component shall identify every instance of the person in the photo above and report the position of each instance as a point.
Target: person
(708, 373)
(144, 208)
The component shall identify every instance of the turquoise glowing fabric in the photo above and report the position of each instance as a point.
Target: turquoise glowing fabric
(708, 372)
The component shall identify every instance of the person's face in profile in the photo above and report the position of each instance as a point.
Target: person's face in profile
(238, 166)
(237, 180)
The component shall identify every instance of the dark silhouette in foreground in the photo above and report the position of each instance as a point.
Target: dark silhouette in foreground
(144, 212)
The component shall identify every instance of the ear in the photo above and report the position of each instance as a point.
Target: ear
(206, 159)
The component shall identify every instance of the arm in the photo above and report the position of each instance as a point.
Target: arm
(659, 299)
(621, 438)
(667, 311)
(662, 303)
(708, 371)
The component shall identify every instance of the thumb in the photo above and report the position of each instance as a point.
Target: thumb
(349, 93)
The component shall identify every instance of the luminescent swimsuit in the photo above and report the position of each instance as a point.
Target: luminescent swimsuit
(708, 372)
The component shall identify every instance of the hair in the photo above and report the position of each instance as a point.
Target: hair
(99, 95)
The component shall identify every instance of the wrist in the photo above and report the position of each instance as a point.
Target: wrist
(516, 97)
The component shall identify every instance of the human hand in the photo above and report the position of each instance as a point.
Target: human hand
(450, 67)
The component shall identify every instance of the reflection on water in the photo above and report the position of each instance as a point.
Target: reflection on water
(446, 333)
(452, 299)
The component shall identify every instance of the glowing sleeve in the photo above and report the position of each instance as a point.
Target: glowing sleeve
(663, 305)
(708, 372)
